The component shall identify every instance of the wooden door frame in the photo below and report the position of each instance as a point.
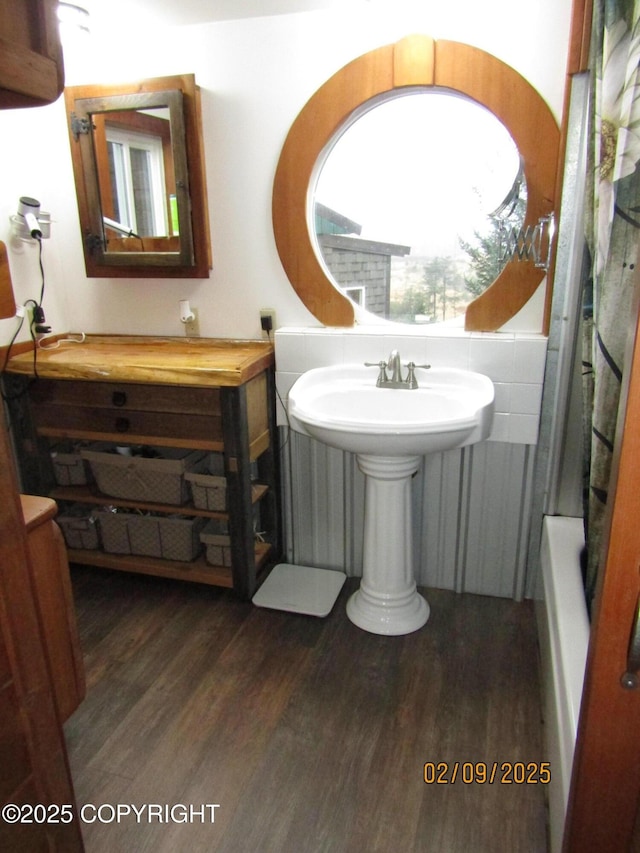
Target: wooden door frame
(39, 766)
(605, 787)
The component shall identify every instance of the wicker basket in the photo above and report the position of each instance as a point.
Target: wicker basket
(167, 537)
(79, 527)
(163, 536)
(69, 468)
(216, 539)
(209, 485)
(114, 531)
(158, 478)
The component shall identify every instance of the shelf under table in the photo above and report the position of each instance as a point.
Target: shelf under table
(196, 571)
(85, 495)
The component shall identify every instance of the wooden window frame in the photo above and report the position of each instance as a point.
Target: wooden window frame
(415, 61)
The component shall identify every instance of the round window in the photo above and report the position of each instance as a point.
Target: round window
(412, 202)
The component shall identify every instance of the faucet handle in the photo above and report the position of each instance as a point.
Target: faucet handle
(382, 376)
(411, 380)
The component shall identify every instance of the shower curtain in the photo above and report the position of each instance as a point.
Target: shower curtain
(613, 223)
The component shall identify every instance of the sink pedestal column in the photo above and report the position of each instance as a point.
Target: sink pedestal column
(387, 601)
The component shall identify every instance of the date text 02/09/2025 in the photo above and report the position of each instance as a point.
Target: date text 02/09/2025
(483, 773)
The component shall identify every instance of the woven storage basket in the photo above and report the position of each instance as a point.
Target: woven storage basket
(217, 542)
(79, 527)
(209, 485)
(69, 468)
(167, 537)
(114, 531)
(158, 479)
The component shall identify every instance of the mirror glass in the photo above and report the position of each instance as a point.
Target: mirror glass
(138, 200)
(412, 201)
(137, 181)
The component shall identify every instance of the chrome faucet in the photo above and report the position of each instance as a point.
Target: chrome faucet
(394, 364)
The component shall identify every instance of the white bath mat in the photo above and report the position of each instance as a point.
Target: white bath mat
(300, 589)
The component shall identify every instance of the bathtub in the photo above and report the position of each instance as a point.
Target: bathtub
(563, 629)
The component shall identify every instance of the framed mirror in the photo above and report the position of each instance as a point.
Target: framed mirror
(140, 180)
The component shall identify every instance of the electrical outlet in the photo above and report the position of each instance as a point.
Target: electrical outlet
(268, 320)
(192, 327)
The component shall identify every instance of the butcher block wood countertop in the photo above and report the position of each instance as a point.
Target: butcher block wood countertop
(155, 360)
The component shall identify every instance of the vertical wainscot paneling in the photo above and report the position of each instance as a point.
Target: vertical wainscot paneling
(471, 511)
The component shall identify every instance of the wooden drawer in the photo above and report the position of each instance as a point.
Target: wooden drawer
(185, 400)
(178, 415)
(132, 426)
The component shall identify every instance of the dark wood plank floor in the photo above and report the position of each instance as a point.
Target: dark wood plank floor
(310, 734)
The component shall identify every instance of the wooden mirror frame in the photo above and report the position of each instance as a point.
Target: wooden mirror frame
(191, 256)
(415, 61)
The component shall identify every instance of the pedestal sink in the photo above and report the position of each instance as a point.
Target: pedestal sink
(389, 430)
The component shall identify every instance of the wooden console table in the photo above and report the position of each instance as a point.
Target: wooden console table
(196, 393)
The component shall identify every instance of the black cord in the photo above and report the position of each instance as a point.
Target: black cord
(11, 343)
(35, 349)
(8, 397)
(283, 404)
(37, 304)
(38, 315)
(39, 239)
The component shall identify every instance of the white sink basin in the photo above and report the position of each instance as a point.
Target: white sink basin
(342, 406)
(389, 429)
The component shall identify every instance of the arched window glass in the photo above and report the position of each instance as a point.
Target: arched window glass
(408, 221)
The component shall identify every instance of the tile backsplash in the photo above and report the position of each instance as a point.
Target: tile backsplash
(515, 362)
